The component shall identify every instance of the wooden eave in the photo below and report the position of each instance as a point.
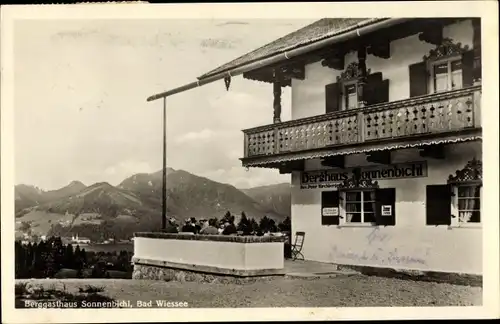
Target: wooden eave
(376, 43)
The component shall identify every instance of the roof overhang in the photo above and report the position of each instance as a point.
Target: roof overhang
(356, 31)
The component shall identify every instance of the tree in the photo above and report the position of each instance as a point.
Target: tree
(24, 227)
(40, 259)
(227, 217)
(272, 226)
(244, 224)
(254, 226)
(285, 225)
(19, 260)
(79, 262)
(264, 224)
(69, 257)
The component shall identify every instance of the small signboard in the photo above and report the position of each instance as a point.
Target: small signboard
(386, 210)
(330, 211)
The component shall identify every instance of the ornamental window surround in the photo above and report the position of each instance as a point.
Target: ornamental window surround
(466, 186)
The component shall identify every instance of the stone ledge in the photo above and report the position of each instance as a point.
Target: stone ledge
(216, 238)
(207, 269)
(462, 279)
(150, 272)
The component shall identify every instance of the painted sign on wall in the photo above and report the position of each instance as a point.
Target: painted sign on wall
(330, 211)
(332, 178)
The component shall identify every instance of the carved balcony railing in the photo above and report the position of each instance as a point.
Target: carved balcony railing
(431, 114)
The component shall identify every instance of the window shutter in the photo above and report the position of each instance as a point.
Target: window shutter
(386, 206)
(418, 79)
(376, 92)
(468, 68)
(332, 96)
(438, 205)
(330, 199)
(370, 88)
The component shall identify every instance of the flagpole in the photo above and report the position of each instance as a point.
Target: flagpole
(164, 186)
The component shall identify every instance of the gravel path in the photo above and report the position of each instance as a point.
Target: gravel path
(350, 291)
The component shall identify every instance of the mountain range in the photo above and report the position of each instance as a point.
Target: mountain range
(101, 209)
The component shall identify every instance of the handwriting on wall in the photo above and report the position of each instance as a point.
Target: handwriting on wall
(391, 256)
(376, 236)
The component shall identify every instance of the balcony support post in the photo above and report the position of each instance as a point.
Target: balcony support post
(277, 97)
(362, 74)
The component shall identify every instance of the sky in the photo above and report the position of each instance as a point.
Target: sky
(80, 99)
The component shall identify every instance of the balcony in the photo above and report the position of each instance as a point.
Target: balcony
(449, 114)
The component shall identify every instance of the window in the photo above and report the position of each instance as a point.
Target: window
(447, 75)
(360, 206)
(351, 96)
(469, 203)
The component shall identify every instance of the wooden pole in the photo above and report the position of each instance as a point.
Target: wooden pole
(164, 185)
(277, 101)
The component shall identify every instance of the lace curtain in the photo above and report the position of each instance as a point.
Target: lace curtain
(468, 203)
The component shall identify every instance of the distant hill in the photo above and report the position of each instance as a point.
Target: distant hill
(189, 195)
(29, 196)
(274, 198)
(135, 204)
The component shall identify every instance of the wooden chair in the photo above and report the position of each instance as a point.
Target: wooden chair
(297, 246)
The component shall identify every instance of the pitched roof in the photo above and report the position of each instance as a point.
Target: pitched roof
(314, 32)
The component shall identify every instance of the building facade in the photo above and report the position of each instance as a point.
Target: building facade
(384, 146)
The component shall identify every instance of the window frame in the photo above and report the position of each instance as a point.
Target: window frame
(431, 68)
(343, 209)
(345, 97)
(455, 211)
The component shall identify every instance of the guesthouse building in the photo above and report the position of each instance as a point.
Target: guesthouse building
(383, 147)
(384, 142)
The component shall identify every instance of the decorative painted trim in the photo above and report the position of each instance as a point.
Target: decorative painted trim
(447, 48)
(472, 173)
(266, 161)
(352, 72)
(216, 238)
(356, 183)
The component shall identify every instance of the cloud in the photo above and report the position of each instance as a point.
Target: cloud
(65, 65)
(203, 135)
(75, 34)
(118, 172)
(233, 23)
(243, 178)
(220, 43)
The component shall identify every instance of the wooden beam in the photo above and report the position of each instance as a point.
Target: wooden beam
(289, 167)
(337, 161)
(294, 71)
(277, 100)
(433, 151)
(413, 27)
(432, 34)
(334, 60)
(381, 157)
(382, 50)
